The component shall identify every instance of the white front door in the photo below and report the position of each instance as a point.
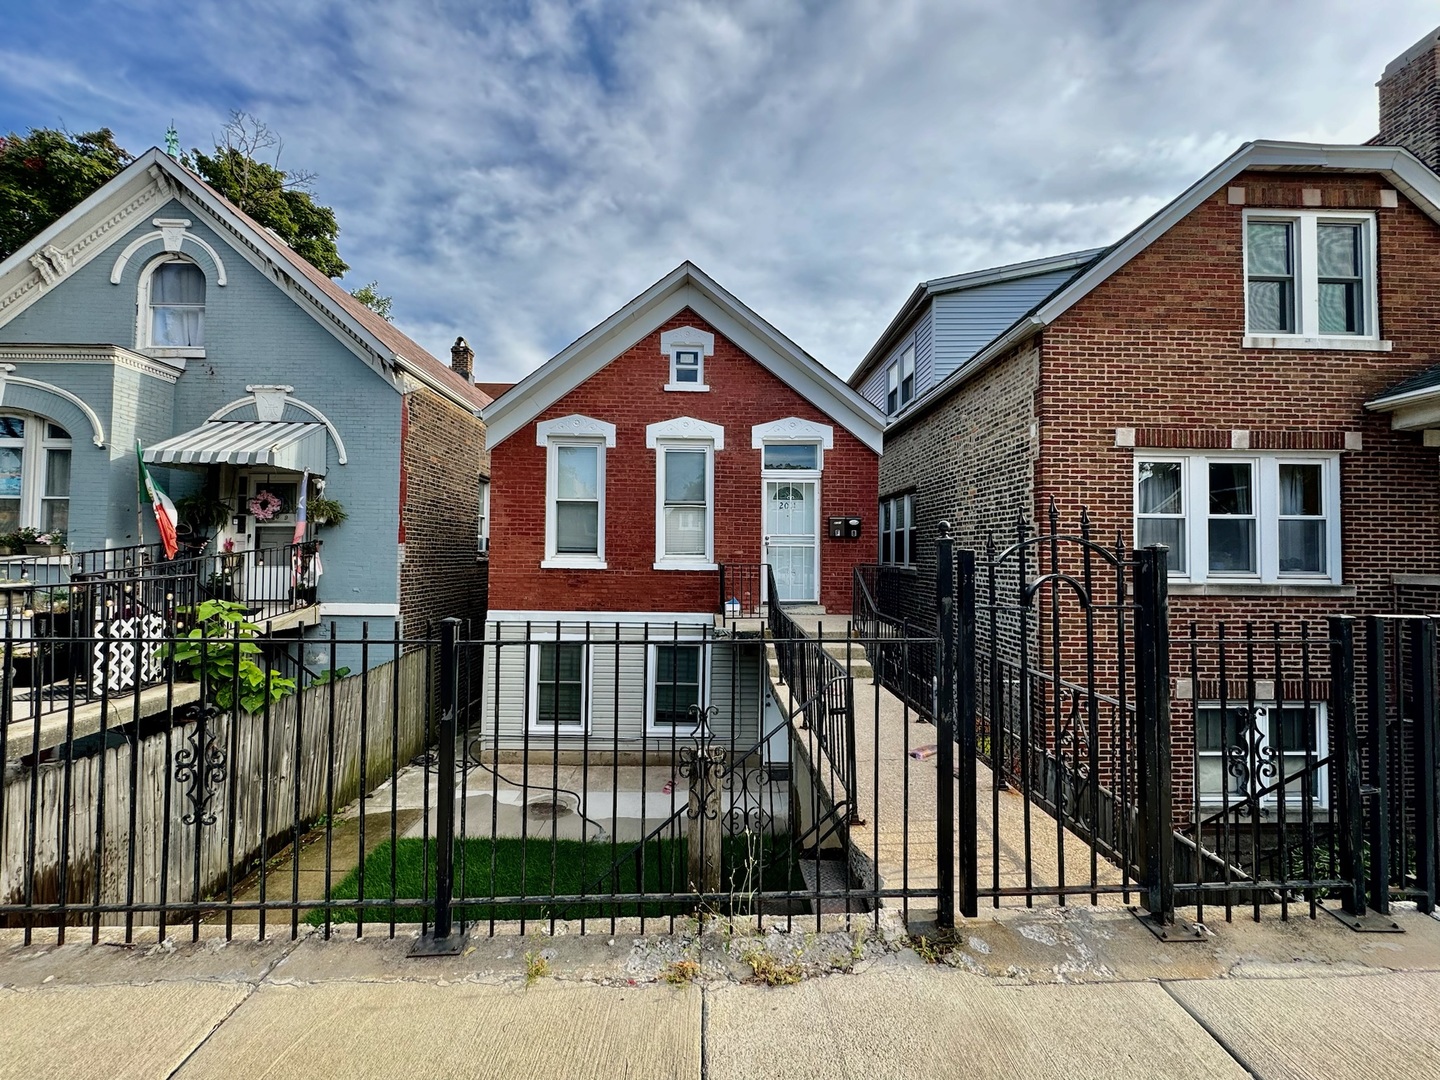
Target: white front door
(792, 542)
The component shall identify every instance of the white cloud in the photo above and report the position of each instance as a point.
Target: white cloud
(515, 172)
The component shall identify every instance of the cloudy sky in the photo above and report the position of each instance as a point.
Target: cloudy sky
(516, 171)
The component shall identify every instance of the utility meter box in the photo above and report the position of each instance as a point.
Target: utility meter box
(844, 528)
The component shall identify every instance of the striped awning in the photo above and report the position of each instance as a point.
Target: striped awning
(278, 444)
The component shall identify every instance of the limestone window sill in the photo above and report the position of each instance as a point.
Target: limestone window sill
(1256, 588)
(1315, 344)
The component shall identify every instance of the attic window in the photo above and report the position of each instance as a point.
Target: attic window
(175, 297)
(687, 348)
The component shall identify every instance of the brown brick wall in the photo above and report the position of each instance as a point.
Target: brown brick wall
(970, 462)
(627, 392)
(442, 458)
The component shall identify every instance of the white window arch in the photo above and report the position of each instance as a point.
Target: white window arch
(34, 474)
(172, 307)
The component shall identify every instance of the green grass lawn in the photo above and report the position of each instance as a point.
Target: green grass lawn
(537, 867)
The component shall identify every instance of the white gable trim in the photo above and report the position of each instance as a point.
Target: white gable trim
(684, 427)
(792, 429)
(684, 287)
(687, 336)
(580, 427)
(9, 378)
(167, 235)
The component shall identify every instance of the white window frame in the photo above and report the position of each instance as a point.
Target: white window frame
(900, 369)
(1306, 277)
(696, 436)
(1294, 794)
(144, 321)
(483, 528)
(906, 500)
(687, 341)
(587, 674)
(573, 431)
(652, 727)
(35, 464)
(1195, 495)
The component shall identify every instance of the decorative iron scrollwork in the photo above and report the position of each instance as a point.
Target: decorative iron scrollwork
(748, 789)
(1250, 761)
(704, 766)
(201, 766)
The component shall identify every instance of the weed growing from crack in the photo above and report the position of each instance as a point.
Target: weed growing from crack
(536, 967)
(773, 972)
(681, 972)
(934, 950)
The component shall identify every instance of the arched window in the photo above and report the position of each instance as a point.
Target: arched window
(34, 474)
(177, 305)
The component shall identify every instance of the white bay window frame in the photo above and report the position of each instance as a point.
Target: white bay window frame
(1195, 515)
(1304, 273)
(684, 435)
(573, 431)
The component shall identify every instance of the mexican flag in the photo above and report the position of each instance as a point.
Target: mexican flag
(165, 516)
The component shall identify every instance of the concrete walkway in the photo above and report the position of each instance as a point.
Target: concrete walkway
(897, 798)
(1045, 993)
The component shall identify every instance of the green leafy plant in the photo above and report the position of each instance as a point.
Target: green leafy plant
(537, 966)
(325, 511)
(203, 513)
(328, 676)
(218, 652)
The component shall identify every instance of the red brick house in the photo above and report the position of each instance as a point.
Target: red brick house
(1246, 378)
(682, 438)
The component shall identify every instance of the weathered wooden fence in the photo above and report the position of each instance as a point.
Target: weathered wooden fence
(167, 821)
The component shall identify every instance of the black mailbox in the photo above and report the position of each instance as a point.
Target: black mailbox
(844, 528)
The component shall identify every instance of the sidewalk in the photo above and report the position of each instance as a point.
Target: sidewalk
(1046, 993)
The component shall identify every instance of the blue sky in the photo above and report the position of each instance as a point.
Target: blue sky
(515, 171)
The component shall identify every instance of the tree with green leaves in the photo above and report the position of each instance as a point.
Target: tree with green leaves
(277, 198)
(45, 173)
(369, 295)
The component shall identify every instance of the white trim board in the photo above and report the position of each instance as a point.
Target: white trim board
(687, 286)
(654, 618)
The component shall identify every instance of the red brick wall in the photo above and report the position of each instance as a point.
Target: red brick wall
(1158, 345)
(442, 458)
(628, 393)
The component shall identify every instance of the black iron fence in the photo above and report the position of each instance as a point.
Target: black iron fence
(587, 773)
(909, 674)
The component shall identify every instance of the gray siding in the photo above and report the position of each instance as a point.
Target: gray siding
(967, 320)
(920, 335)
(620, 666)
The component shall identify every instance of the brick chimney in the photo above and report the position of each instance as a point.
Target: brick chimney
(462, 359)
(1410, 101)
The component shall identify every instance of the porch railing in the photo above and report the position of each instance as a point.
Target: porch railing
(741, 595)
(905, 669)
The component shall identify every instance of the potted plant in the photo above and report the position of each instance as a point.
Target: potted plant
(323, 511)
(11, 544)
(42, 543)
(202, 512)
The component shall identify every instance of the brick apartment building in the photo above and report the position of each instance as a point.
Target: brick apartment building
(681, 438)
(1246, 378)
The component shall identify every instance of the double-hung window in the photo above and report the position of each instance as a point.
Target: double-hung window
(687, 347)
(685, 492)
(1265, 517)
(575, 490)
(177, 305)
(1240, 753)
(897, 530)
(34, 475)
(900, 381)
(559, 686)
(483, 525)
(1309, 275)
(677, 686)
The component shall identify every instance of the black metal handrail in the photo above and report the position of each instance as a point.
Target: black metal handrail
(905, 668)
(741, 595)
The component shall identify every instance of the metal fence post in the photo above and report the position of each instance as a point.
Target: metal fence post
(1347, 755)
(1156, 845)
(1422, 652)
(945, 730)
(965, 713)
(442, 941)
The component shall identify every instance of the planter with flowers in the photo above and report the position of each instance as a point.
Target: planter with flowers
(42, 543)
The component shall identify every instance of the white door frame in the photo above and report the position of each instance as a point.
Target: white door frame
(766, 479)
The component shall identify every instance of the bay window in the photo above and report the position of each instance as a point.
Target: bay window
(1264, 517)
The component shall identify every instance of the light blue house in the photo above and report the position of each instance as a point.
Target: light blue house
(155, 311)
